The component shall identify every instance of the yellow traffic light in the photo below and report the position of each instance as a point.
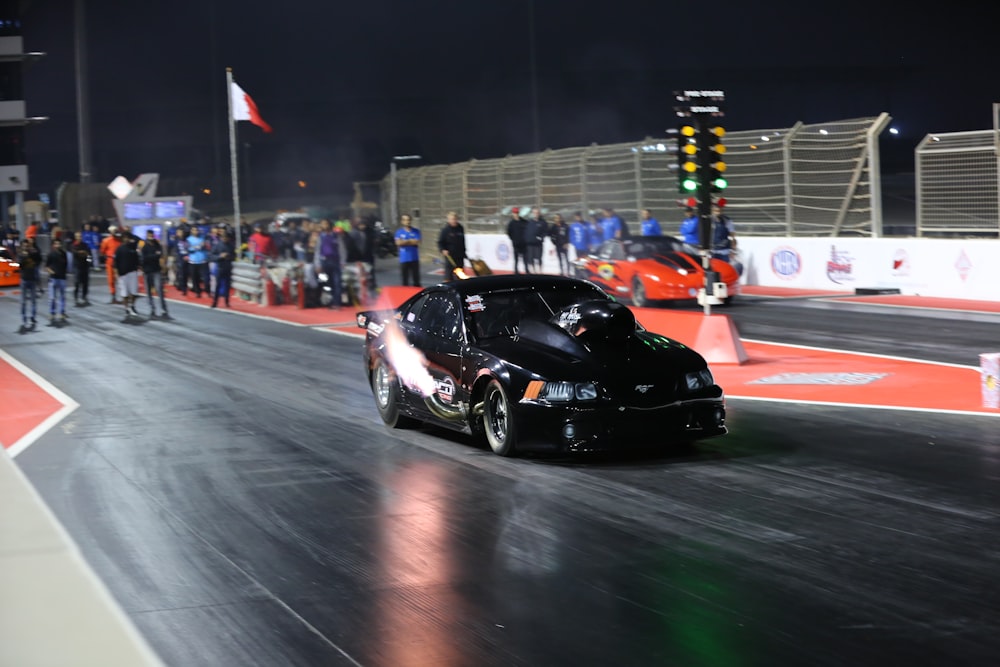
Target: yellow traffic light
(687, 131)
(690, 149)
(718, 131)
(690, 166)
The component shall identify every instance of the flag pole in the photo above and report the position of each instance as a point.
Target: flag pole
(234, 171)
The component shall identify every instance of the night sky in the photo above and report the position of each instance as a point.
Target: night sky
(348, 85)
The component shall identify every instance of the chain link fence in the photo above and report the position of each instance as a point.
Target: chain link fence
(957, 184)
(806, 180)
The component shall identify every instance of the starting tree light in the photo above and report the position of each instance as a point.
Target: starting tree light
(687, 157)
(712, 149)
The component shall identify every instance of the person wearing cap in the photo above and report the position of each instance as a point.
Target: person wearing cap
(516, 229)
(109, 246)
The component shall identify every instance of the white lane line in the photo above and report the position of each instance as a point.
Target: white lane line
(872, 406)
(859, 354)
(68, 405)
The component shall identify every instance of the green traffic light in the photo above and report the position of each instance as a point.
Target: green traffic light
(721, 183)
(689, 184)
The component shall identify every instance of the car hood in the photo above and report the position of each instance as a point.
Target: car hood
(547, 350)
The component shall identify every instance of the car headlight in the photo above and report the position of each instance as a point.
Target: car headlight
(560, 392)
(699, 380)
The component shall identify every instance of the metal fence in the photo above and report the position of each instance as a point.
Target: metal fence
(957, 184)
(806, 180)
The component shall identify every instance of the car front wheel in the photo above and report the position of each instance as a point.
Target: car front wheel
(639, 297)
(386, 391)
(498, 420)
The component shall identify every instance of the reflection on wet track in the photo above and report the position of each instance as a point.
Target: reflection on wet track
(232, 483)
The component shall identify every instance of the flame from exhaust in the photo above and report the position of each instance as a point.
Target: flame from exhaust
(409, 363)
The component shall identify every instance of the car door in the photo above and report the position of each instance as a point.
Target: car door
(438, 331)
(613, 271)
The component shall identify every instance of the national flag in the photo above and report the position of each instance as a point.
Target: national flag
(244, 108)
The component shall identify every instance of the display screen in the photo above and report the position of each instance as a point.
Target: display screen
(138, 210)
(140, 231)
(170, 209)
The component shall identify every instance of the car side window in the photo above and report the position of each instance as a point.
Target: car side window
(410, 315)
(441, 317)
(616, 250)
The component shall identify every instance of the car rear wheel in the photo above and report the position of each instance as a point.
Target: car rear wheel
(639, 297)
(498, 420)
(386, 391)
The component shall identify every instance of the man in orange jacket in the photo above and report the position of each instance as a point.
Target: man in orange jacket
(109, 245)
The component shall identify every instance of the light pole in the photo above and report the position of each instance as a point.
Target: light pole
(394, 187)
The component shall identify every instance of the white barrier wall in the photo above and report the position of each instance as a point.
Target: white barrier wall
(951, 268)
(498, 253)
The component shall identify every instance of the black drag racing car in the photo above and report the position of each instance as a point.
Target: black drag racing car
(536, 362)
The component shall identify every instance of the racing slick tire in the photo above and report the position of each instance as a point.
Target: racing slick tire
(498, 420)
(385, 388)
(639, 298)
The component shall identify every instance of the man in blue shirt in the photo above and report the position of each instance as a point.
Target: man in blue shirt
(408, 241)
(579, 235)
(650, 225)
(596, 234)
(611, 227)
(198, 262)
(689, 227)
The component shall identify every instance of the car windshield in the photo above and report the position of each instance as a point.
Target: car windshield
(501, 313)
(650, 246)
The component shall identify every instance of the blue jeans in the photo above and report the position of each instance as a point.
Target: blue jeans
(222, 283)
(29, 292)
(154, 280)
(57, 290)
(332, 269)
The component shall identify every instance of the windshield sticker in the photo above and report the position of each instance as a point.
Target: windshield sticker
(569, 317)
(475, 303)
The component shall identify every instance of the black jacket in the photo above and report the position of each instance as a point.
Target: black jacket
(536, 231)
(127, 257)
(57, 263)
(516, 229)
(224, 265)
(29, 260)
(151, 252)
(452, 239)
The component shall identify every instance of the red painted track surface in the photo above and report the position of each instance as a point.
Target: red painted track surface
(23, 404)
(773, 371)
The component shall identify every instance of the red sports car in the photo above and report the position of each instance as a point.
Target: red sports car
(10, 272)
(652, 268)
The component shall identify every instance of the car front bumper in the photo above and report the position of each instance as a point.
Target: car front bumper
(608, 425)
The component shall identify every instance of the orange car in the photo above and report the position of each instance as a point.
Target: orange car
(10, 273)
(652, 268)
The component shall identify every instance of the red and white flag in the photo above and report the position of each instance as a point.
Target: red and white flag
(244, 108)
